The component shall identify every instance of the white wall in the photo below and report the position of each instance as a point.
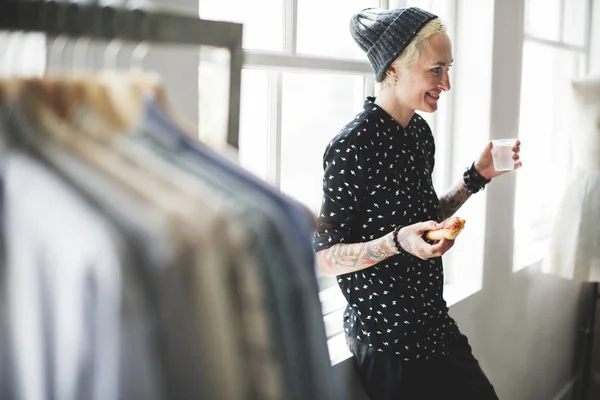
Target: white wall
(524, 331)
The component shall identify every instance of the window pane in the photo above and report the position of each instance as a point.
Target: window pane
(441, 8)
(254, 122)
(543, 130)
(323, 27)
(213, 80)
(542, 18)
(422, 4)
(575, 22)
(315, 108)
(262, 19)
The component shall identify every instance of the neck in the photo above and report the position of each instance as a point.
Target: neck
(389, 102)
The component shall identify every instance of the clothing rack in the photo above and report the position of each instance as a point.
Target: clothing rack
(134, 25)
(164, 270)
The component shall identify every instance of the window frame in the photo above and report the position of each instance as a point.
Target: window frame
(277, 63)
(289, 60)
(532, 250)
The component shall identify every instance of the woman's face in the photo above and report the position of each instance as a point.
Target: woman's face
(420, 85)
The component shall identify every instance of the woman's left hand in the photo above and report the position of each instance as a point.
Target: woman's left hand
(485, 164)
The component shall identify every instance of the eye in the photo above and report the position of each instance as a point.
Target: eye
(437, 70)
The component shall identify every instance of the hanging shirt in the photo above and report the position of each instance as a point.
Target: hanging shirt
(171, 276)
(279, 239)
(63, 286)
(377, 175)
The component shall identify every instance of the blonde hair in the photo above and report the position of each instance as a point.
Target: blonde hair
(412, 52)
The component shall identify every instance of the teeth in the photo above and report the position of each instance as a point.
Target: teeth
(437, 96)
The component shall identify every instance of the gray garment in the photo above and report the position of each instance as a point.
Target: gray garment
(144, 365)
(262, 237)
(214, 274)
(296, 313)
(160, 355)
(63, 285)
(6, 369)
(114, 358)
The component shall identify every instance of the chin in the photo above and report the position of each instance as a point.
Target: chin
(428, 108)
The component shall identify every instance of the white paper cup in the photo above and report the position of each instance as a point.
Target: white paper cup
(502, 154)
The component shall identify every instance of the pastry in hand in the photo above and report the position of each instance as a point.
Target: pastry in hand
(449, 229)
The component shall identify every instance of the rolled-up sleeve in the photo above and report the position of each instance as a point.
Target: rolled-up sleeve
(342, 187)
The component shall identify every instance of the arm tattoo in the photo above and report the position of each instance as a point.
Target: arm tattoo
(453, 200)
(345, 258)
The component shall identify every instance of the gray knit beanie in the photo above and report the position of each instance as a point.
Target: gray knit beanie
(384, 34)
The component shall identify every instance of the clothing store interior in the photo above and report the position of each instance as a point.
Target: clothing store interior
(354, 233)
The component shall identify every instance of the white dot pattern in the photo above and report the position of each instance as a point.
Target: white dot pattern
(377, 175)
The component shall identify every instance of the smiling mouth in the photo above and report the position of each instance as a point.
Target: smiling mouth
(435, 96)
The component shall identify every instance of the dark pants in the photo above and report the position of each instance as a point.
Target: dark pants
(457, 376)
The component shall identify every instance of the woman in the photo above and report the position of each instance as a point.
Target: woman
(379, 200)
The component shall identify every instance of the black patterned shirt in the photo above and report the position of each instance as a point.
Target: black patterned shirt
(377, 175)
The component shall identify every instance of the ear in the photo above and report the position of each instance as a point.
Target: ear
(393, 72)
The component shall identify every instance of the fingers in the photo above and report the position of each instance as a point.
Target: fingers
(423, 227)
(424, 250)
(447, 244)
(517, 146)
(427, 251)
(516, 149)
(442, 247)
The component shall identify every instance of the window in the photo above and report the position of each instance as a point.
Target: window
(333, 16)
(214, 97)
(263, 20)
(300, 85)
(256, 120)
(554, 52)
(293, 71)
(315, 106)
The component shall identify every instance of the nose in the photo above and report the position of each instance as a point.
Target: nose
(445, 82)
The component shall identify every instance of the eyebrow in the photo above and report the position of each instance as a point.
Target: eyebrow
(443, 64)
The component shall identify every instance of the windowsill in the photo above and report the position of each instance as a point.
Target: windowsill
(332, 299)
(338, 351)
(455, 292)
(333, 304)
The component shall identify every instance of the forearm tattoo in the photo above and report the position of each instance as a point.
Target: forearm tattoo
(453, 200)
(346, 258)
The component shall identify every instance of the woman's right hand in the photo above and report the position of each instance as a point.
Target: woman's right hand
(411, 240)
